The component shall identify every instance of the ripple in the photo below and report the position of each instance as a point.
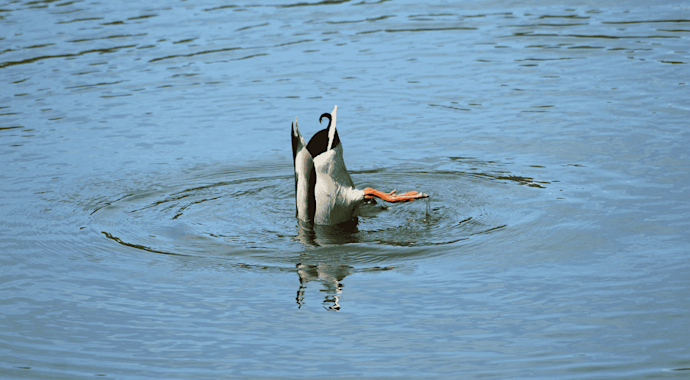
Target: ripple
(93, 51)
(195, 54)
(247, 214)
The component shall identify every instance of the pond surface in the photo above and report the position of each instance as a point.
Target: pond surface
(148, 226)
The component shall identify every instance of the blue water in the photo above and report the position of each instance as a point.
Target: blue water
(147, 216)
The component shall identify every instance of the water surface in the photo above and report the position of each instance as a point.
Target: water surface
(148, 226)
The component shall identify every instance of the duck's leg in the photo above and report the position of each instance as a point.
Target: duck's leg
(369, 193)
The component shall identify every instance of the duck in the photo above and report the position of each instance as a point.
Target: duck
(324, 191)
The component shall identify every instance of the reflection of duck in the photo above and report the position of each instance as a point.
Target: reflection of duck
(324, 191)
(329, 275)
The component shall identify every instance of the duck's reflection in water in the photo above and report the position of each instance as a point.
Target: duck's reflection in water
(312, 235)
(324, 268)
(330, 276)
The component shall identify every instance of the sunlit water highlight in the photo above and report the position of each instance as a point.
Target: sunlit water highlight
(148, 223)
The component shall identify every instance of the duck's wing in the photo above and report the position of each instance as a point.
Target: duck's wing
(305, 176)
(332, 133)
(337, 200)
(326, 149)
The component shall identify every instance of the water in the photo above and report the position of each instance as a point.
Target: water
(148, 226)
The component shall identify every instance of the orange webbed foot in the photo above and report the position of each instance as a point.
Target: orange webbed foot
(369, 193)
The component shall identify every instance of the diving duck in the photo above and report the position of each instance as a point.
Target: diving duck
(324, 192)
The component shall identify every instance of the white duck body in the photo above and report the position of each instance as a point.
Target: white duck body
(305, 176)
(337, 200)
(324, 192)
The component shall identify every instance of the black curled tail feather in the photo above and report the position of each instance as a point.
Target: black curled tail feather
(326, 115)
(319, 142)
